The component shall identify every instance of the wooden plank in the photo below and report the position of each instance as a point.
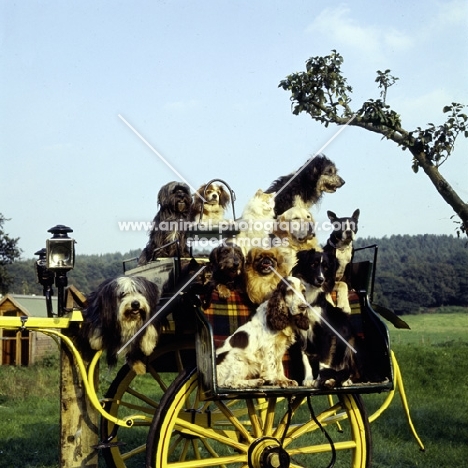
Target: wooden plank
(79, 420)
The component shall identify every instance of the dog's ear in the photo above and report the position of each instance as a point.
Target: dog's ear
(303, 255)
(251, 254)
(277, 310)
(163, 195)
(224, 197)
(214, 256)
(106, 303)
(152, 294)
(331, 216)
(199, 193)
(356, 214)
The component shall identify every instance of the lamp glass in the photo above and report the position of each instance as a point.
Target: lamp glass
(60, 254)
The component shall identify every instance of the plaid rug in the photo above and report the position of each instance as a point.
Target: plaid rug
(227, 315)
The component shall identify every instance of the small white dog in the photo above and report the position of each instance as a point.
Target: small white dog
(256, 222)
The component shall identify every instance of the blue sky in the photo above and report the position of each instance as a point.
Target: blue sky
(199, 80)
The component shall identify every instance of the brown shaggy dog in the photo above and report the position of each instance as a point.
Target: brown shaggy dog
(227, 264)
(174, 201)
(262, 267)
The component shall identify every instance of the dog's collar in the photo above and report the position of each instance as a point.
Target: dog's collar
(330, 242)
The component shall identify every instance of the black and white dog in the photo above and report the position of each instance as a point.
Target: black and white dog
(116, 313)
(175, 201)
(317, 176)
(329, 354)
(340, 245)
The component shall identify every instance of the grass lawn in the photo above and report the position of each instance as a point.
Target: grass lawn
(432, 358)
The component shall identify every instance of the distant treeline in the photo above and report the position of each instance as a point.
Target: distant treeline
(414, 273)
(420, 272)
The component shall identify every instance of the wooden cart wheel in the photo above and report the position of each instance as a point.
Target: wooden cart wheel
(273, 432)
(129, 393)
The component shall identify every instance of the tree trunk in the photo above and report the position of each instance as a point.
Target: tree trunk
(443, 187)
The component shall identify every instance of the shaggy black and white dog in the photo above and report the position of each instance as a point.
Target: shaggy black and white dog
(306, 186)
(116, 312)
(175, 201)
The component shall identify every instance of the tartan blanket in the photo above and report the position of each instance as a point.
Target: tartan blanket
(227, 315)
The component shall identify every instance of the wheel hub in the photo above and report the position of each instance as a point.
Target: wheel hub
(267, 452)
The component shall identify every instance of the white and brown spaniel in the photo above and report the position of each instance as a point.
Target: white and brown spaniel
(210, 203)
(253, 355)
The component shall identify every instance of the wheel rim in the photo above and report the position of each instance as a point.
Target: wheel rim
(255, 433)
(130, 393)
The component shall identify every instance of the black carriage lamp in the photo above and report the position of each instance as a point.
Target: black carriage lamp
(60, 258)
(46, 278)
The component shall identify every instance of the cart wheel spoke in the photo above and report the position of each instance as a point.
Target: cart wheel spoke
(134, 394)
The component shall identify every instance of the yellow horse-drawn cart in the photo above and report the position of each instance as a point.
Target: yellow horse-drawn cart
(176, 415)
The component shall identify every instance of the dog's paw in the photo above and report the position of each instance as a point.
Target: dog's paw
(138, 367)
(95, 340)
(243, 383)
(149, 341)
(329, 383)
(223, 291)
(283, 383)
(310, 383)
(324, 383)
(255, 383)
(288, 383)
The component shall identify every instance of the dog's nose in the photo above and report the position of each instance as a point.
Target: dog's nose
(320, 280)
(135, 305)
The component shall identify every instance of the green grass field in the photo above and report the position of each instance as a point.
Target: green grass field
(432, 358)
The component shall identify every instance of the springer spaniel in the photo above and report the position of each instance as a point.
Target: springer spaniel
(253, 355)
